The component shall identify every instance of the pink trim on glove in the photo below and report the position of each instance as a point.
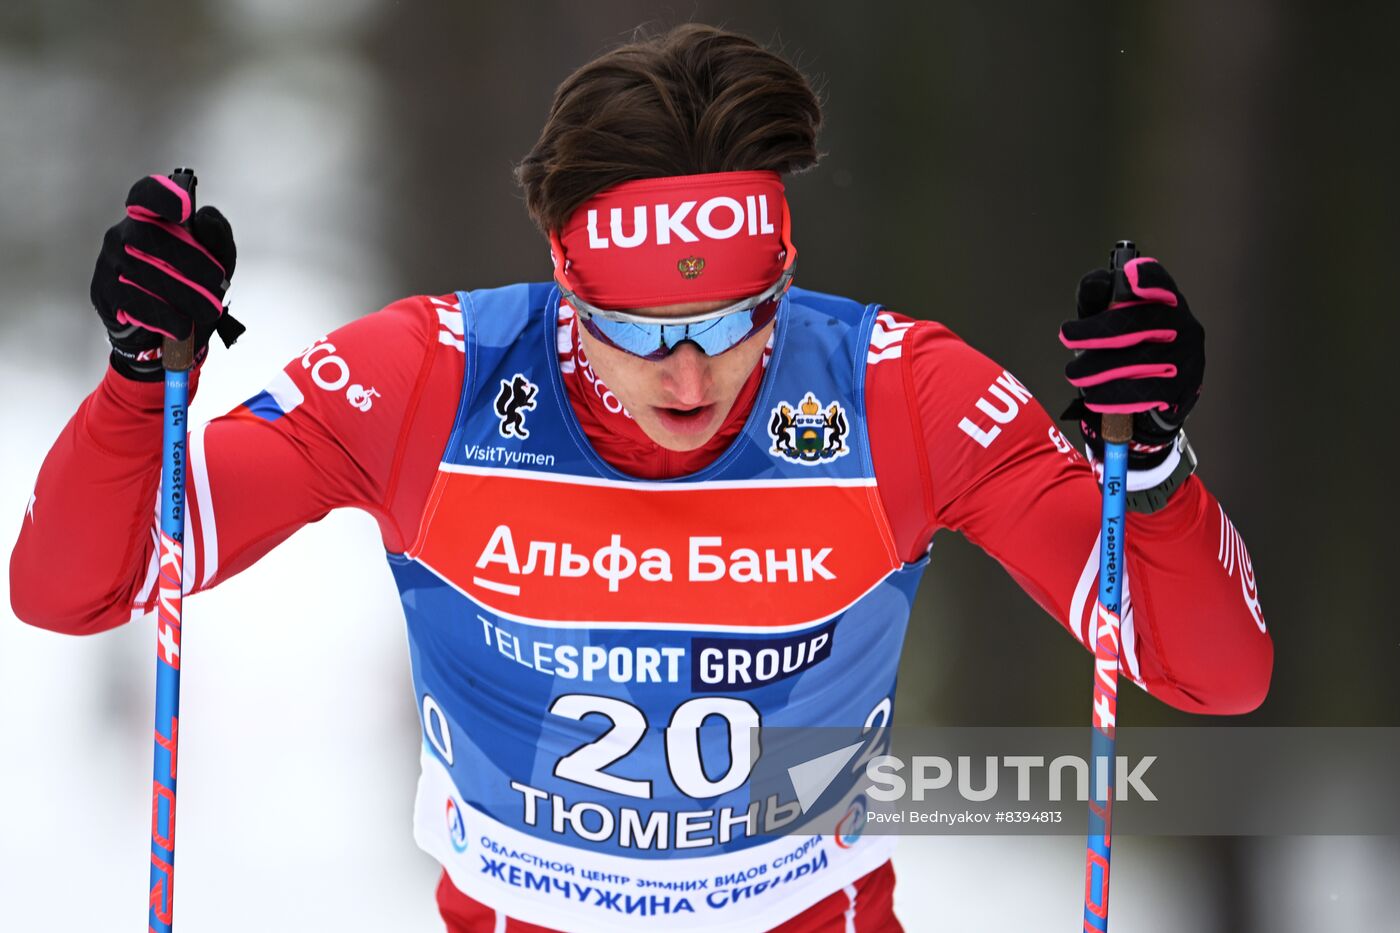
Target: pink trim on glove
(146, 216)
(126, 281)
(1136, 371)
(174, 273)
(124, 318)
(1129, 408)
(1121, 340)
(1162, 295)
(180, 193)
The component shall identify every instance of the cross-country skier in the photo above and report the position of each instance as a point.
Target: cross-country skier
(639, 509)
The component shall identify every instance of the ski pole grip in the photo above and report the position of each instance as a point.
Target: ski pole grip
(178, 355)
(1118, 429)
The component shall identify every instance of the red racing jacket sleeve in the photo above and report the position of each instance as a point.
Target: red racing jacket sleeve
(331, 430)
(988, 462)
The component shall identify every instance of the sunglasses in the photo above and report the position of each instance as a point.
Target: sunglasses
(653, 338)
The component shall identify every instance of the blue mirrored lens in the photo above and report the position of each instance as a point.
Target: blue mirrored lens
(656, 340)
(637, 339)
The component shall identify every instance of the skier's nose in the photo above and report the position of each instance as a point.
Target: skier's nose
(686, 377)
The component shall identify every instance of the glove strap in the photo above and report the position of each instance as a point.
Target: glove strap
(228, 329)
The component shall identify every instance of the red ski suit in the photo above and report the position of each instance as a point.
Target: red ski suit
(957, 443)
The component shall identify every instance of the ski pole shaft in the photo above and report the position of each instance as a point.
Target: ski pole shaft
(177, 357)
(1116, 431)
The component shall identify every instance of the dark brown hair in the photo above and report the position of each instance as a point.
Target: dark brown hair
(695, 99)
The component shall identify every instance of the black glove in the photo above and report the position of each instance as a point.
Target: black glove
(156, 278)
(1142, 355)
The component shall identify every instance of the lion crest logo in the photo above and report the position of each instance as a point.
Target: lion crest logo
(691, 266)
(807, 434)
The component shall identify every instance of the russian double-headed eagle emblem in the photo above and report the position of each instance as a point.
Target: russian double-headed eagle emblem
(807, 434)
(690, 267)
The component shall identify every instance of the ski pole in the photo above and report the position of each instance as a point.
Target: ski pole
(177, 356)
(1116, 431)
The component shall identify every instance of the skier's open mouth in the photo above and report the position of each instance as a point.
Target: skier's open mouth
(685, 420)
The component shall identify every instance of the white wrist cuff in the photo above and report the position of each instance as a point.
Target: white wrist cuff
(1139, 480)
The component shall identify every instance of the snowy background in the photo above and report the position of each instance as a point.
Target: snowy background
(362, 150)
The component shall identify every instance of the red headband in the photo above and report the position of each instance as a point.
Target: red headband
(665, 241)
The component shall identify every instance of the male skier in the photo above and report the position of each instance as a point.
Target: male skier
(640, 509)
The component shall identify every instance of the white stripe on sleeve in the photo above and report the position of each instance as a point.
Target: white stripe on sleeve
(1081, 593)
(204, 504)
(1081, 607)
(452, 320)
(1128, 633)
(138, 605)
